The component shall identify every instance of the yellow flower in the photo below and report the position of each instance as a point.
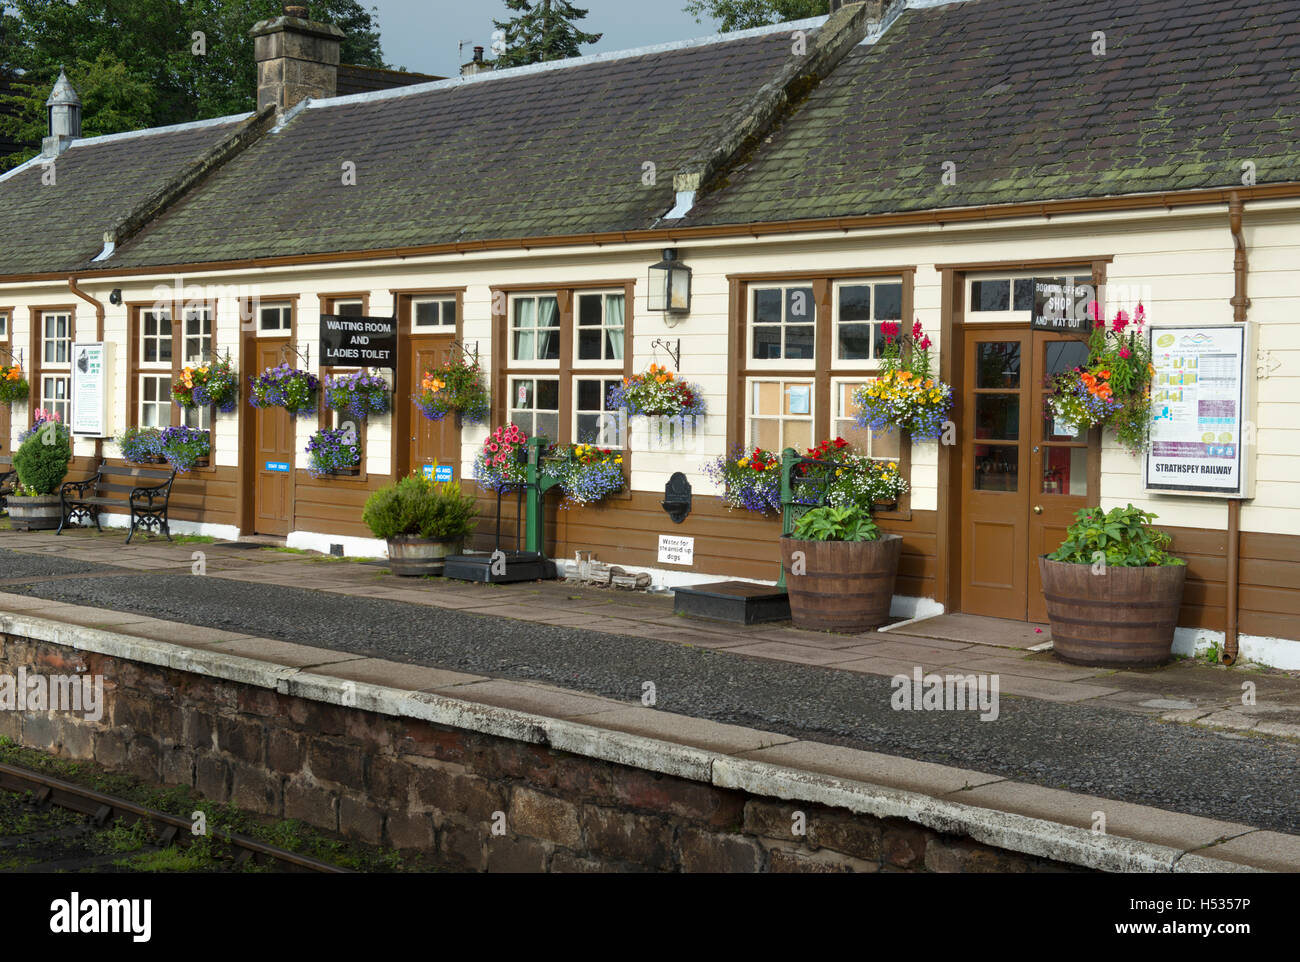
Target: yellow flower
(743, 462)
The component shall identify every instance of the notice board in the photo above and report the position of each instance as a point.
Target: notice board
(91, 388)
(353, 341)
(1202, 396)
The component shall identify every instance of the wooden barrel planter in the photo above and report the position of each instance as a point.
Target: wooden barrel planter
(1122, 618)
(412, 556)
(42, 513)
(845, 585)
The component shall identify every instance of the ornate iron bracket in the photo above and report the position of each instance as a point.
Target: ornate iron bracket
(304, 356)
(12, 356)
(674, 352)
(464, 352)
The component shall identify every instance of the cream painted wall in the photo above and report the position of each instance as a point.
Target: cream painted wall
(1178, 262)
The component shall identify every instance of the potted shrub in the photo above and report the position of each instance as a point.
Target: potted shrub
(185, 448)
(40, 462)
(840, 569)
(1113, 590)
(141, 445)
(423, 522)
(334, 452)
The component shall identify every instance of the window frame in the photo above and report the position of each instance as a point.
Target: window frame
(1082, 270)
(871, 363)
(140, 369)
(601, 363)
(782, 363)
(442, 326)
(534, 361)
(603, 376)
(783, 382)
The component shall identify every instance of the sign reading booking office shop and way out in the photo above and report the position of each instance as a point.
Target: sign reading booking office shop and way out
(1200, 408)
(350, 341)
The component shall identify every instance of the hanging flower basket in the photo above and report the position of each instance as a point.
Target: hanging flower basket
(1113, 389)
(185, 448)
(333, 452)
(141, 445)
(656, 392)
(13, 386)
(358, 395)
(750, 480)
(500, 461)
(287, 388)
(907, 395)
(586, 473)
(454, 388)
(215, 383)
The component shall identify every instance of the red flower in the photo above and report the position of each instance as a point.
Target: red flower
(924, 345)
(1121, 322)
(916, 330)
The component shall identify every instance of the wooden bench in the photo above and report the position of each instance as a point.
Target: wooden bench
(8, 479)
(116, 486)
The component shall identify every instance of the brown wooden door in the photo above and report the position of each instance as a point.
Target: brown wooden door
(995, 466)
(431, 441)
(1060, 461)
(274, 456)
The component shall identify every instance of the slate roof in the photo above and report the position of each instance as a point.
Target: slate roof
(97, 181)
(355, 79)
(1009, 91)
(525, 153)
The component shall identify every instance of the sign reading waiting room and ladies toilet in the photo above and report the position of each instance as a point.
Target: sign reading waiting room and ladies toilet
(1201, 401)
(351, 341)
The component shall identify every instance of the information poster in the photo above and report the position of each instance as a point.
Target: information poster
(1199, 396)
(90, 391)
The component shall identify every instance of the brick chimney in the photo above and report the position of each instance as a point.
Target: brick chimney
(297, 58)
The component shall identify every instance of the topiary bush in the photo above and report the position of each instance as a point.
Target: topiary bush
(41, 461)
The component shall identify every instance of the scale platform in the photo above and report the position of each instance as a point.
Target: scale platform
(519, 566)
(737, 602)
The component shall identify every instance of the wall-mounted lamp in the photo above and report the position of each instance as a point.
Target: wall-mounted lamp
(670, 285)
(116, 296)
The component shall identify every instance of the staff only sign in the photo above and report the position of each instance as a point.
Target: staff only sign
(1200, 410)
(351, 341)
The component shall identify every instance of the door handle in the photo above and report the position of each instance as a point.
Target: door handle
(1038, 509)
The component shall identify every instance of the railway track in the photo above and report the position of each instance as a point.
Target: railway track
(52, 825)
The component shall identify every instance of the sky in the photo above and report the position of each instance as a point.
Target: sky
(422, 35)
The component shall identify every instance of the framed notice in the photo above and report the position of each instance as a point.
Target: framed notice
(349, 341)
(675, 550)
(91, 369)
(1201, 411)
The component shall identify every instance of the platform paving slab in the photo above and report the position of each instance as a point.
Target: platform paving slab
(700, 732)
(283, 653)
(977, 630)
(1270, 851)
(543, 699)
(396, 674)
(872, 767)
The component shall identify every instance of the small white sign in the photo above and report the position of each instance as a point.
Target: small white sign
(90, 389)
(674, 550)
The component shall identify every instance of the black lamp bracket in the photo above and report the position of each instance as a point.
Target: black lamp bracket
(675, 352)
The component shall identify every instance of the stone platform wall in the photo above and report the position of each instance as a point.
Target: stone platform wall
(474, 801)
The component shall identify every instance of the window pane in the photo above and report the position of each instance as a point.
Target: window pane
(348, 308)
(427, 313)
(150, 389)
(548, 345)
(548, 396)
(767, 398)
(1065, 471)
(589, 429)
(799, 341)
(589, 342)
(997, 416)
(855, 342)
(1063, 355)
(767, 343)
(449, 313)
(990, 295)
(548, 426)
(589, 396)
(765, 434)
(997, 364)
(525, 312)
(996, 467)
(1024, 299)
(548, 312)
(523, 420)
(521, 394)
(589, 310)
(767, 307)
(884, 444)
(798, 435)
(799, 305)
(855, 303)
(165, 349)
(889, 302)
(524, 346)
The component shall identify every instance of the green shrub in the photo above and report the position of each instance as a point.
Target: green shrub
(1123, 537)
(849, 523)
(417, 505)
(42, 460)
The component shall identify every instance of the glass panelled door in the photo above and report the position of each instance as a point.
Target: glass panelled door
(1060, 460)
(995, 473)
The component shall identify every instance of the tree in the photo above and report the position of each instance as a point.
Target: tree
(182, 60)
(544, 30)
(746, 14)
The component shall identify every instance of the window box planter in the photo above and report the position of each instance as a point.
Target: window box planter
(352, 472)
(1117, 617)
(41, 513)
(845, 586)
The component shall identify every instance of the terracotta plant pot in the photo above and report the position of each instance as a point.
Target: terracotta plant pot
(1119, 618)
(41, 513)
(845, 585)
(411, 556)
